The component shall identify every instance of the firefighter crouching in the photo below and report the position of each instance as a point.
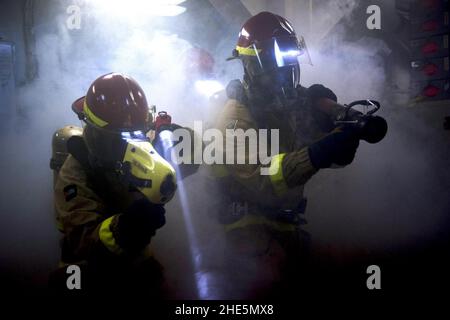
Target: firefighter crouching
(111, 190)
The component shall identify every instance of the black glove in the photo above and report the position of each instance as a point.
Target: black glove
(317, 91)
(138, 224)
(339, 147)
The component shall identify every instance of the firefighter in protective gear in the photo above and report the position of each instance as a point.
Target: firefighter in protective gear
(111, 190)
(262, 214)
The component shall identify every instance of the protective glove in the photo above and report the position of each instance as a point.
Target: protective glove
(318, 91)
(138, 224)
(338, 147)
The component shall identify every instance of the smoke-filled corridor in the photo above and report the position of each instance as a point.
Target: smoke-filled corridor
(390, 207)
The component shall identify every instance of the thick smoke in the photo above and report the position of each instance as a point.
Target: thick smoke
(68, 61)
(393, 195)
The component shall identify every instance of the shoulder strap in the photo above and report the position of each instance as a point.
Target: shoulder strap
(77, 148)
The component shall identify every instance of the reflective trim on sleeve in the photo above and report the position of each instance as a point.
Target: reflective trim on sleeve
(276, 174)
(92, 117)
(107, 238)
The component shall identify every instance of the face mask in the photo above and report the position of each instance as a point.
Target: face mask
(146, 171)
(131, 156)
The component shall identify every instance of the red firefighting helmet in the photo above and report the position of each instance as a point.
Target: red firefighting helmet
(114, 109)
(117, 118)
(115, 102)
(268, 45)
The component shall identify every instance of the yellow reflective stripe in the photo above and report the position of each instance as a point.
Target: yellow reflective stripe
(92, 117)
(252, 219)
(247, 51)
(107, 237)
(276, 174)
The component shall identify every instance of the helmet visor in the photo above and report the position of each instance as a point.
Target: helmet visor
(276, 53)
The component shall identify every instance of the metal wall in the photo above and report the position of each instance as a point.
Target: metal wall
(7, 82)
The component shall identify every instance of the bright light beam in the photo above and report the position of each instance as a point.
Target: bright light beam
(202, 281)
